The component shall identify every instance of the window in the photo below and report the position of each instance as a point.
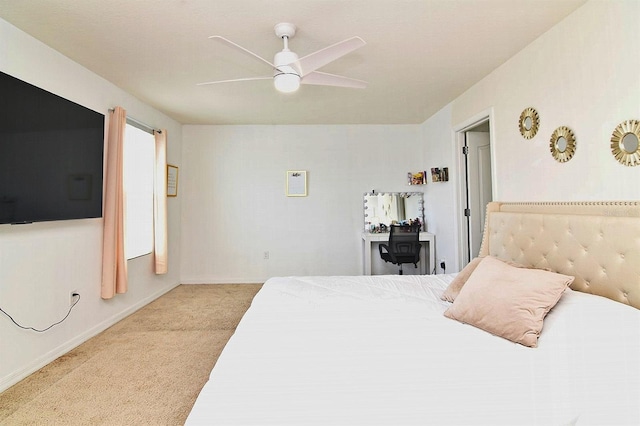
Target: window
(138, 166)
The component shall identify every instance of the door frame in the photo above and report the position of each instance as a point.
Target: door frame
(460, 200)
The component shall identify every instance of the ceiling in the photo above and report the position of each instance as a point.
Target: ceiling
(419, 56)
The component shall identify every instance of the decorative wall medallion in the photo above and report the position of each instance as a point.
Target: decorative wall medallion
(625, 143)
(529, 123)
(563, 144)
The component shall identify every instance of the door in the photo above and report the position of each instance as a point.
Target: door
(479, 189)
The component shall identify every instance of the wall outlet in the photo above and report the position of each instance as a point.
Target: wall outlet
(443, 264)
(266, 255)
(73, 297)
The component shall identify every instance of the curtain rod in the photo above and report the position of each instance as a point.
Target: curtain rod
(139, 124)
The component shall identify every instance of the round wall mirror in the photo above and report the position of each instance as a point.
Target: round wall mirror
(529, 123)
(625, 143)
(563, 144)
(630, 143)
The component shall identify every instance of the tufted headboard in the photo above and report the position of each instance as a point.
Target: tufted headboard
(597, 242)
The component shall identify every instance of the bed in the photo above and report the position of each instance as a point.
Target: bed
(380, 350)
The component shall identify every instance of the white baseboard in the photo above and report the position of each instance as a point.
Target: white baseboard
(13, 378)
(221, 281)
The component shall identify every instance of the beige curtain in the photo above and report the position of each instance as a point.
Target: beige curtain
(160, 203)
(114, 263)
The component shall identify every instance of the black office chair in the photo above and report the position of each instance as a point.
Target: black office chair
(403, 247)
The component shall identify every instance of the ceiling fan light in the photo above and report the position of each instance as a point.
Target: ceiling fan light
(286, 83)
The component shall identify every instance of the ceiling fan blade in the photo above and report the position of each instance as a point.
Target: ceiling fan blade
(247, 51)
(325, 79)
(322, 57)
(234, 80)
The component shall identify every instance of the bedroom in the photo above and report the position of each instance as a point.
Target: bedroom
(567, 74)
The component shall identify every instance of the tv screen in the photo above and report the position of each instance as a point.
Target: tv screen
(51, 156)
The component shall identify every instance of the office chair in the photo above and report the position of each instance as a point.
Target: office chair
(403, 247)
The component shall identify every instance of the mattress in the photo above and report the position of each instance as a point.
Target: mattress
(377, 350)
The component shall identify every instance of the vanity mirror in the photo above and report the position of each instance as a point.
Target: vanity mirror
(625, 143)
(529, 123)
(563, 144)
(383, 209)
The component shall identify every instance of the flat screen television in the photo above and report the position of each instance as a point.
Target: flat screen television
(51, 156)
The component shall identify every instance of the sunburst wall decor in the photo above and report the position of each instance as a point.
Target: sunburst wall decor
(563, 144)
(529, 123)
(625, 143)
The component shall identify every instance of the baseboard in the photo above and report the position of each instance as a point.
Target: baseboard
(222, 281)
(16, 376)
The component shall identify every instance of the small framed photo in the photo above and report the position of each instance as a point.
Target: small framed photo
(172, 181)
(440, 174)
(296, 183)
(417, 178)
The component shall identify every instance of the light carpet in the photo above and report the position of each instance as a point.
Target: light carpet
(145, 370)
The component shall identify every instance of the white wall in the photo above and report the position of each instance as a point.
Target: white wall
(583, 73)
(439, 196)
(41, 263)
(235, 208)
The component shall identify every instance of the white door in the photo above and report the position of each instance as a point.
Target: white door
(478, 185)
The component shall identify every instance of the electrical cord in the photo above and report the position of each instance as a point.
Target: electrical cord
(52, 325)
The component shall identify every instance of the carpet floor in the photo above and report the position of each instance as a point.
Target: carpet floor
(145, 370)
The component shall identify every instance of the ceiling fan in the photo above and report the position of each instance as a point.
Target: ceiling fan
(289, 71)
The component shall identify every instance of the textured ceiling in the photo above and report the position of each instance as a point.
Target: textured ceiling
(419, 56)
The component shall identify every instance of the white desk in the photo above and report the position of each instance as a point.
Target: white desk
(368, 239)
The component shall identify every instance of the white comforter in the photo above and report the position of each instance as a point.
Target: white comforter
(378, 351)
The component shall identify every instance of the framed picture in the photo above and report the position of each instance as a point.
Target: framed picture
(440, 174)
(172, 181)
(417, 178)
(296, 183)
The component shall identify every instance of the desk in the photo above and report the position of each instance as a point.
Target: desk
(368, 239)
